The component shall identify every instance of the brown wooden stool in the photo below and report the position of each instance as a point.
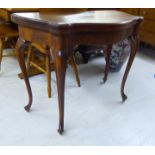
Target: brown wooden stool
(46, 65)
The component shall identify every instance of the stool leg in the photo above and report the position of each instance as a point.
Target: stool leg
(74, 67)
(1, 51)
(48, 73)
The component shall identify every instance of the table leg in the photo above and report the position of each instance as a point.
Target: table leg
(75, 70)
(134, 48)
(21, 45)
(60, 68)
(107, 59)
(48, 72)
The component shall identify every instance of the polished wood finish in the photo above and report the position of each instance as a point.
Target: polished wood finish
(21, 46)
(8, 30)
(62, 32)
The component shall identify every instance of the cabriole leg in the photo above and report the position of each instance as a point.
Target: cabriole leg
(21, 45)
(134, 48)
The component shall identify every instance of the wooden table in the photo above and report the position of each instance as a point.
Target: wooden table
(60, 33)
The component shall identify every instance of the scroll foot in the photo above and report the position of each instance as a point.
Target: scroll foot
(104, 80)
(124, 97)
(60, 130)
(27, 108)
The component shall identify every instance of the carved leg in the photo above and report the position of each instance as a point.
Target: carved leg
(48, 72)
(107, 59)
(29, 58)
(21, 45)
(134, 48)
(1, 51)
(74, 66)
(60, 68)
(28, 65)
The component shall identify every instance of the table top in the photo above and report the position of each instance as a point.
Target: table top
(20, 9)
(47, 20)
(14, 10)
(5, 13)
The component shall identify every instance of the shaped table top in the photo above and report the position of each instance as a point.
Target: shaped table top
(52, 21)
